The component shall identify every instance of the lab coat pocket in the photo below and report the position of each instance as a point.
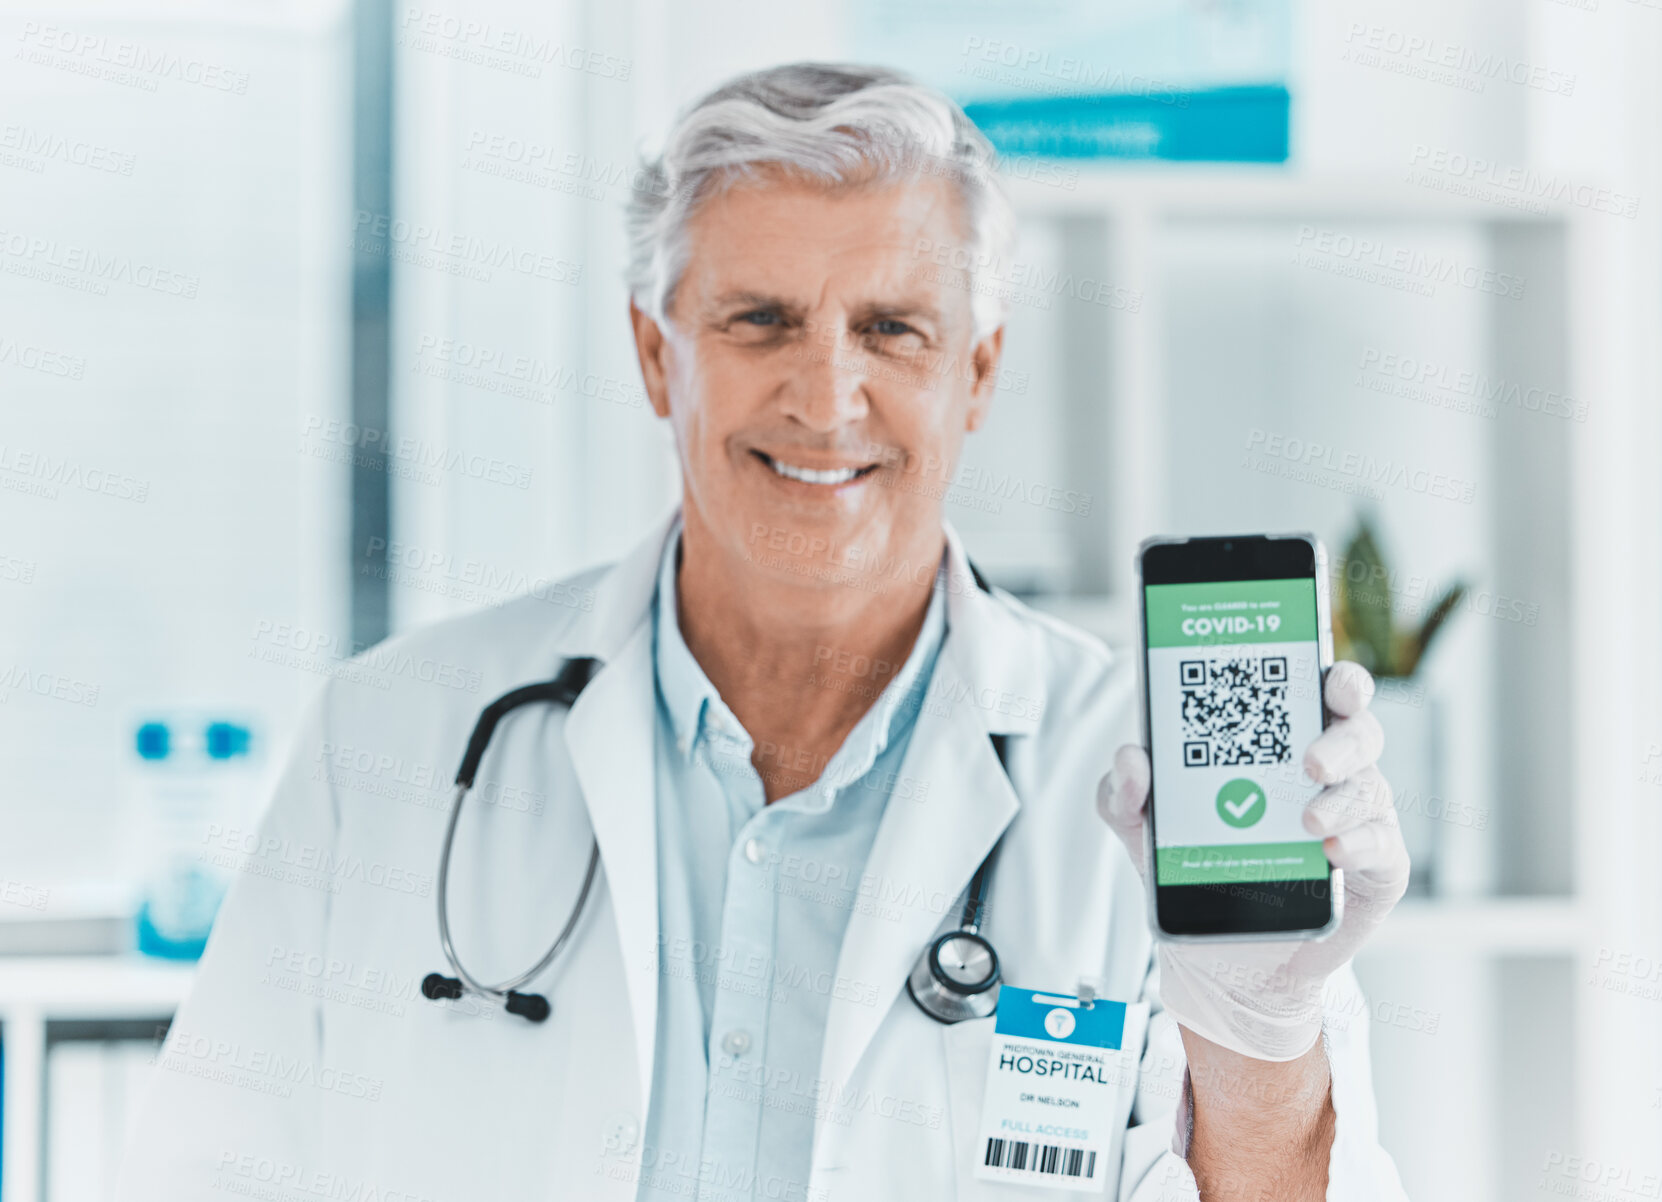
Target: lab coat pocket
(968, 1051)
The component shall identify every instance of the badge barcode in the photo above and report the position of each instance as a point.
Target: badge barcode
(1040, 1158)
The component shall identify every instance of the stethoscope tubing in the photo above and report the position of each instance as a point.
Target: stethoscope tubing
(563, 689)
(501, 990)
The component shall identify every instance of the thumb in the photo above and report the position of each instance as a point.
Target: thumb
(1121, 796)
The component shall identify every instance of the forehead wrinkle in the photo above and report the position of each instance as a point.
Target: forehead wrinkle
(735, 300)
(909, 306)
(752, 297)
(841, 246)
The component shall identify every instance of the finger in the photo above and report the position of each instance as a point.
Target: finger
(1345, 748)
(1375, 863)
(1360, 848)
(1124, 790)
(1356, 801)
(1121, 796)
(1348, 688)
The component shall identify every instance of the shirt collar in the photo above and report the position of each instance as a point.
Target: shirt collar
(997, 649)
(692, 700)
(681, 682)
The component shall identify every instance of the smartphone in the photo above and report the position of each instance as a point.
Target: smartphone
(1236, 641)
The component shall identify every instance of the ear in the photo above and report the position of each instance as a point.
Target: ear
(652, 349)
(984, 361)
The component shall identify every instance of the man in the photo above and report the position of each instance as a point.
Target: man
(810, 723)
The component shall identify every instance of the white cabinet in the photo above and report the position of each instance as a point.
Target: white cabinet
(73, 1067)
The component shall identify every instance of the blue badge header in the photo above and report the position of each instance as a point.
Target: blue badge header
(1027, 1014)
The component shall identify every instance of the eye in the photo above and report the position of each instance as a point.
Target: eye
(760, 317)
(888, 327)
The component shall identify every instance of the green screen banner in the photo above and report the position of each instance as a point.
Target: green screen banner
(1242, 862)
(1222, 613)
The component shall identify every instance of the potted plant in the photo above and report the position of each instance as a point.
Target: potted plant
(1391, 642)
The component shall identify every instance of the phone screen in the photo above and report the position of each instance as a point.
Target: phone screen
(1233, 677)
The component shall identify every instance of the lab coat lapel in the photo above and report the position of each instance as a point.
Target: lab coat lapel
(936, 831)
(609, 738)
(988, 680)
(925, 853)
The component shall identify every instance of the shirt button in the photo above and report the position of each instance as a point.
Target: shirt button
(753, 850)
(736, 1042)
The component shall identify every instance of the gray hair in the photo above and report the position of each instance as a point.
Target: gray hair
(829, 123)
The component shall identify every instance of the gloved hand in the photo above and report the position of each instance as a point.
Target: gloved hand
(1264, 999)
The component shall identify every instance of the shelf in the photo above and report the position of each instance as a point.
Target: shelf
(128, 986)
(1262, 193)
(1493, 926)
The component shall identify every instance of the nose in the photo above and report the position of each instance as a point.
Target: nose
(827, 390)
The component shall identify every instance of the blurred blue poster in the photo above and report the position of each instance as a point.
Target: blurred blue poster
(1197, 80)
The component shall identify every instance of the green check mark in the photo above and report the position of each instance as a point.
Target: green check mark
(1241, 802)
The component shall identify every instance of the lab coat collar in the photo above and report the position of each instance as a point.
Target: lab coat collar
(991, 644)
(622, 599)
(988, 680)
(999, 674)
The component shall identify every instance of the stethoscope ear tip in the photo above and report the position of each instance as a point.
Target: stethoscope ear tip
(533, 1006)
(437, 986)
(528, 1005)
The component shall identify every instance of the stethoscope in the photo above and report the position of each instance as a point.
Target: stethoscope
(562, 690)
(956, 978)
(958, 975)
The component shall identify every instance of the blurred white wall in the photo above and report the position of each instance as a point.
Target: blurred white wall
(172, 254)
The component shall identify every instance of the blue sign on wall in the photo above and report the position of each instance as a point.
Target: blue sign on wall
(1190, 80)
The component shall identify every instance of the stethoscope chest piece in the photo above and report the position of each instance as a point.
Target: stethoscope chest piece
(958, 975)
(957, 978)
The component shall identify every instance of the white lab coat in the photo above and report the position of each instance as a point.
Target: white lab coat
(306, 1063)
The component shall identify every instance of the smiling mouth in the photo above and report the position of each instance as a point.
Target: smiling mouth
(810, 475)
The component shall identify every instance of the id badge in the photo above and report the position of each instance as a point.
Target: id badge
(1052, 1080)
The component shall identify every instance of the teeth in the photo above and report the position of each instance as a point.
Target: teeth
(808, 475)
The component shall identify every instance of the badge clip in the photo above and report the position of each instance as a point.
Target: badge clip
(1090, 988)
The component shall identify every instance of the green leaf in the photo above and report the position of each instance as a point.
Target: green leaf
(1416, 644)
(1365, 602)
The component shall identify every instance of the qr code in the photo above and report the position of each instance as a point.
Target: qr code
(1235, 711)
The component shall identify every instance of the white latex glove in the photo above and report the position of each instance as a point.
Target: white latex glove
(1264, 999)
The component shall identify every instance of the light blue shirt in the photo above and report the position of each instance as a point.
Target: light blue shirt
(753, 903)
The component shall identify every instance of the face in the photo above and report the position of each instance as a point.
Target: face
(819, 372)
